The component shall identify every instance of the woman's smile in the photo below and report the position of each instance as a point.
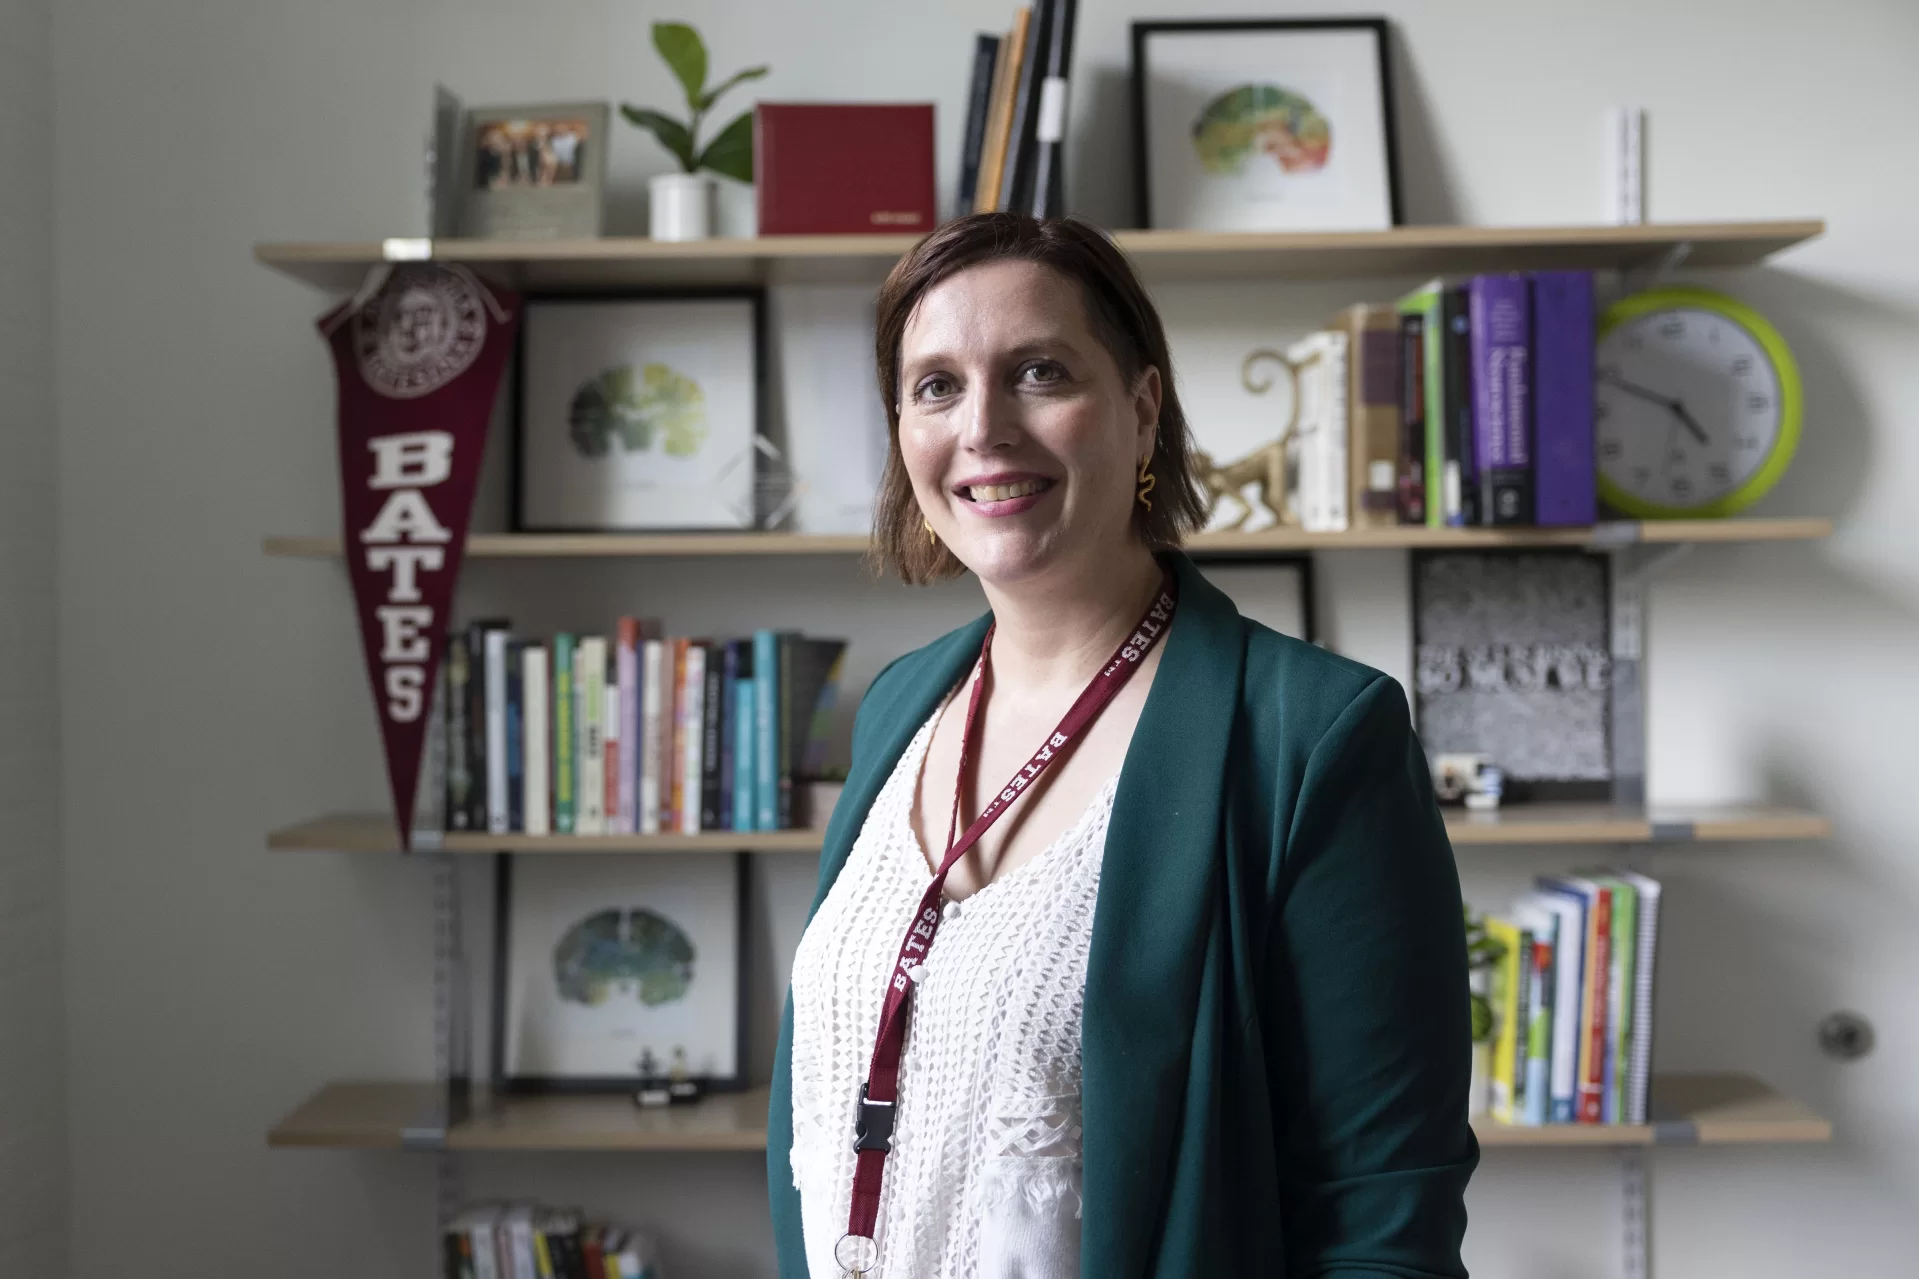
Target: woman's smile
(1004, 492)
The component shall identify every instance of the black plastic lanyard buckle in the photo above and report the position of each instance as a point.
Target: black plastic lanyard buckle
(873, 1130)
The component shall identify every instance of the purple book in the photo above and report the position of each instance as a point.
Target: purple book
(1563, 397)
(1499, 313)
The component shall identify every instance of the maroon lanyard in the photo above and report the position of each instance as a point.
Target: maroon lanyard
(857, 1253)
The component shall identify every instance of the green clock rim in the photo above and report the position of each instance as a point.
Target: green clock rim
(1761, 481)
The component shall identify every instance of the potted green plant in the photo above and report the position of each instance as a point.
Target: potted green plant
(682, 203)
(1483, 952)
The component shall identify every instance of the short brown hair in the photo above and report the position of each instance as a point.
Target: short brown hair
(1123, 319)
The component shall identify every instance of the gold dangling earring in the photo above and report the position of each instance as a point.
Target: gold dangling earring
(1146, 481)
(931, 537)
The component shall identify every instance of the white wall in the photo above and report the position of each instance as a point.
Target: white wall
(208, 693)
(33, 1237)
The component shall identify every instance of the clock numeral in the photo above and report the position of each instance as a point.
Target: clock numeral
(1741, 365)
(1640, 474)
(1720, 473)
(1601, 410)
(1670, 329)
(1745, 441)
(1681, 487)
(1635, 343)
(1611, 449)
(1677, 457)
(1757, 403)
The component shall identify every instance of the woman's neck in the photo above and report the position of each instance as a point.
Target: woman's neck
(1052, 637)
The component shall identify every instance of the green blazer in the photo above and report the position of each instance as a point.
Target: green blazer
(1276, 1041)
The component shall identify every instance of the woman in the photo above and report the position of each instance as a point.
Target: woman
(1193, 1000)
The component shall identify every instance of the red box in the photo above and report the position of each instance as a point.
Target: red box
(832, 168)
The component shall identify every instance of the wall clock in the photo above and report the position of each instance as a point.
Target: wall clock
(1697, 406)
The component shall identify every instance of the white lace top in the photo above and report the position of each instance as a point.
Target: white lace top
(983, 1181)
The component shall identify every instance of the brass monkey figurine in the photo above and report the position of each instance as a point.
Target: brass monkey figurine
(1274, 467)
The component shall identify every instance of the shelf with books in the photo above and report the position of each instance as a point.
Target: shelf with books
(1533, 824)
(1607, 535)
(386, 1115)
(1161, 256)
(1703, 1109)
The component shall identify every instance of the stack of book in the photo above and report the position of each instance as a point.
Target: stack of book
(1572, 1000)
(637, 733)
(526, 1241)
(1461, 404)
(1012, 156)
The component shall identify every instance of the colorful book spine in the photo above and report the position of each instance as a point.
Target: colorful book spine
(1427, 302)
(1372, 406)
(565, 735)
(1619, 999)
(1564, 475)
(712, 716)
(614, 755)
(627, 660)
(979, 101)
(1568, 975)
(1501, 319)
(590, 690)
(515, 736)
(493, 652)
(766, 741)
(1458, 481)
(1597, 1003)
(1411, 476)
(746, 713)
(690, 724)
(653, 701)
(1639, 1071)
(1320, 362)
(1504, 998)
(785, 719)
(537, 777)
(729, 730)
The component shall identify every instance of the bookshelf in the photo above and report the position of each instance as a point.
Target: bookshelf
(1690, 1110)
(1522, 824)
(1615, 533)
(1160, 256)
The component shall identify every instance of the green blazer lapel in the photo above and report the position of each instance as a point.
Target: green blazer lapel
(1150, 930)
(897, 703)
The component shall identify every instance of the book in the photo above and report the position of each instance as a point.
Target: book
(1458, 481)
(1412, 419)
(493, 657)
(1427, 303)
(613, 756)
(766, 742)
(654, 699)
(459, 774)
(565, 736)
(1564, 468)
(691, 726)
(1639, 1068)
(673, 738)
(812, 762)
(1594, 998)
(476, 730)
(1372, 414)
(994, 159)
(515, 735)
(712, 707)
(538, 738)
(1319, 361)
(1619, 996)
(1016, 178)
(729, 704)
(1504, 997)
(1049, 130)
(745, 749)
(979, 101)
(831, 168)
(1569, 912)
(810, 676)
(1541, 988)
(627, 663)
(589, 685)
(1501, 321)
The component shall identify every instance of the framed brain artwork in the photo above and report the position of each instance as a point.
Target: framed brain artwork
(604, 963)
(1264, 125)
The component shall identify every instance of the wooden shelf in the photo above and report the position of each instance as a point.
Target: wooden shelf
(1160, 256)
(1520, 824)
(1687, 1110)
(1597, 536)
(395, 1116)
(374, 833)
(1707, 1110)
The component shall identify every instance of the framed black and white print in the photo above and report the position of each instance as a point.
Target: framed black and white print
(600, 962)
(640, 413)
(1274, 590)
(1264, 125)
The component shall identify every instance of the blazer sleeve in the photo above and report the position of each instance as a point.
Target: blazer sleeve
(1369, 1039)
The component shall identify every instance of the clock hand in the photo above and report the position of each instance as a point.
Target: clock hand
(1631, 388)
(1699, 432)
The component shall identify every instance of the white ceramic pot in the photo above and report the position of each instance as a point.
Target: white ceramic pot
(680, 206)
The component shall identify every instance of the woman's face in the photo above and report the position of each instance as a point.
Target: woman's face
(1021, 437)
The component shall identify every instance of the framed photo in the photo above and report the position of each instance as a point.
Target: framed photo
(1512, 659)
(533, 173)
(1264, 125)
(1274, 590)
(640, 412)
(601, 961)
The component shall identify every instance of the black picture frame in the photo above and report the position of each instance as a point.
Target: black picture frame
(502, 1082)
(754, 295)
(1299, 563)
(1436, 737)
(1144, 32)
